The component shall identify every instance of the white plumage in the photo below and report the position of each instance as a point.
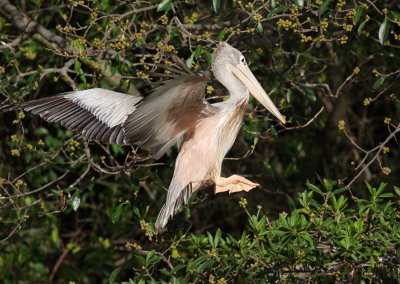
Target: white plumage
(111, 108)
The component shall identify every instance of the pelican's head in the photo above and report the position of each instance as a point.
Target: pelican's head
(230, 68)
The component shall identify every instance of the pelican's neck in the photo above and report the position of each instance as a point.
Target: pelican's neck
(238, 97)
(237, 90)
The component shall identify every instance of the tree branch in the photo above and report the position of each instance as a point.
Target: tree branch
(51, 40)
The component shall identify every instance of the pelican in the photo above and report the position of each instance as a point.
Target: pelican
(175, 113)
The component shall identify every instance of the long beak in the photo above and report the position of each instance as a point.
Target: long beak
(246, 76)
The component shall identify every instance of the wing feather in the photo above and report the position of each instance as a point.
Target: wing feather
(48, 106)
(155, 122)
(60, 114)
(167, 113)
(106, 136)
(114, 134)
(168, 211)
(78, 117)
(97, 113)
(80, 125)
(93, 129)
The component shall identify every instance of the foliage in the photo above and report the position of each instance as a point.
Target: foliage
(75, 210)
(326, 239)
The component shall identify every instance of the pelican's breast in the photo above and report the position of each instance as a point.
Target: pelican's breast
(230, 122)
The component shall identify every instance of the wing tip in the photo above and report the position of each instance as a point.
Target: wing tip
(8, 106)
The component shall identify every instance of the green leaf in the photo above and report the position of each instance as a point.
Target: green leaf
(114, 70)
(116, 214)
(324, 7)
(189, 61)
(165, 5)
(221, 35)
(163, 271)
(370, 188)
(397, 190)
(310, 94)
(387, 195)
(197, 261)
(114, 275)
(383, 31)
(313, 188)
(152, 258)
(137, 212)
(259, 28)
(290, 201)
(77, 66)
(216, 4)
(198, 52)
(205, 265)
(178, 267)
(357, 15)
(76, 200)
(361, 27)
(173, 32)
(275, 11)
(117, 149)
(396, 15)
(208, 56)
(135, 182)
(217, 238)
(272, 3)
(175, 253)
(379, 82)
(372, 261)
(57, 9)
(340, 190)
(78, 45)
(210, 239)
(55, 235)
(289, 96)
(28, 157)
(299, 3)
(381, 187)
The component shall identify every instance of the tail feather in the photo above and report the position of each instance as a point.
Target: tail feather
(171, 207)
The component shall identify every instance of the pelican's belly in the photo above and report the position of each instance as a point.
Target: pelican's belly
(206, 145)
(199, 153)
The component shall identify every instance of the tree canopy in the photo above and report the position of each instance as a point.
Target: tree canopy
(327, 208)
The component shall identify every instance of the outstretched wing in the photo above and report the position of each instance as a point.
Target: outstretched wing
(155, 122)
(97, 113)
(164, 116)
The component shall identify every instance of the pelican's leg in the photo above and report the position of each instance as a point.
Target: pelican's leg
(234, 183)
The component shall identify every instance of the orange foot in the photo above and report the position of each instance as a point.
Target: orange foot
(234, 183)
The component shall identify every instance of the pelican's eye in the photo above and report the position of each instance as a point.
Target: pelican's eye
(243, 60)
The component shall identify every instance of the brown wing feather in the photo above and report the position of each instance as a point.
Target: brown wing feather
(167, 113)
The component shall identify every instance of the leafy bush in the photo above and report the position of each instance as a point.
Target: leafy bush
(328, 238)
